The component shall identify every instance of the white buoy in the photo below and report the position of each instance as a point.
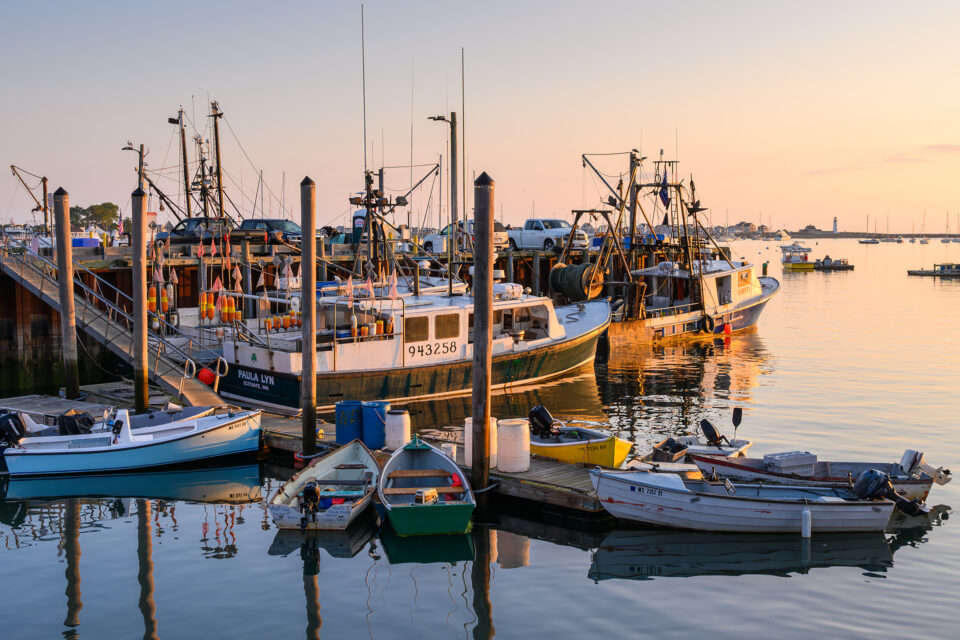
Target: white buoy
(514, 436)
(468, 441)
(450, 450)
(806, 522)
(397, 429)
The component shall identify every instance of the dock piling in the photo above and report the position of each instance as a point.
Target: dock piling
(482, 328)
(308, 309)
(138, 240)
(68, 316)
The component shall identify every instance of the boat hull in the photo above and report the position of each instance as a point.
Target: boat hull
(444, 379)
(430, 519)
(629, 499)
(336, 517)
(798, 266)
(609, 452)
(233, 438)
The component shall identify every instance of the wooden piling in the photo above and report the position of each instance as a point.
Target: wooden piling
(536, 272)
(138, 242)
(482, 328)
(68, 316)
(147, 604)
(71, 547)
(308, 309)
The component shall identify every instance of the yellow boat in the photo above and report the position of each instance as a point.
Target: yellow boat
(587, 446)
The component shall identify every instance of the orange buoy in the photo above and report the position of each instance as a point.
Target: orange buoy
(364, 332)
(238, 315)
(268, 323)
(152, 299)
(286, 322)
(231, 309)
(164, 300)
(727, 329)
(211, 309)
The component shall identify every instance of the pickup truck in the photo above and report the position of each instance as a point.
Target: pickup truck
(275, 228)
(436, 242)
(194, 229)
(546, 234)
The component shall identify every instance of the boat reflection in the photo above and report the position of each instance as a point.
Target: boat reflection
(228, 485)
(338, 544)
(449, 548)
(643, 554)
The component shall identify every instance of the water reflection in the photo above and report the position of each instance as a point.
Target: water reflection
(148, 607)
(338, 544)
(643, 554)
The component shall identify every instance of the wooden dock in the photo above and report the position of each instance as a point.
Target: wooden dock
(546, 482)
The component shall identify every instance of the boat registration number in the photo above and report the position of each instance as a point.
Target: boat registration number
(443, 347)
(647, 490)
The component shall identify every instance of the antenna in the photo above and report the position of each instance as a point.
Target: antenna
(363, 71)
(463, 131)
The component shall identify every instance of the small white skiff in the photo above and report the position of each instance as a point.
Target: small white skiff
(668, 500)
(329, 493)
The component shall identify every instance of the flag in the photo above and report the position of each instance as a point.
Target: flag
(665, 190)
(217, 285)
(200, 250)
(213, 247)
(264, 302)
(157, 276)
(120, 225)
(173, 276)
(369, 287)
(261, 283)
(393, 287)
(349, 290)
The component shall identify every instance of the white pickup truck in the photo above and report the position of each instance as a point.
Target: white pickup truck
(546, 234)
(437, 242)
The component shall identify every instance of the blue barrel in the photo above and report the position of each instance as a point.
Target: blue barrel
(349, 420)
(375, 423)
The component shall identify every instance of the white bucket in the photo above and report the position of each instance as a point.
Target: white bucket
(468, 442)
(514, 437)
(450, 450)
(397, 429)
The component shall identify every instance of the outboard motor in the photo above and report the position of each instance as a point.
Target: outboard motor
(873, 484)
(73, 423)
(11, 429)
(309, 503)
(914, 464)
(541, 422)
(710, 432)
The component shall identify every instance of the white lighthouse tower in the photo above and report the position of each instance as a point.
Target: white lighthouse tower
(834, 224)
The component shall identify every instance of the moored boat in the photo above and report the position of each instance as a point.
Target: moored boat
(911, 477)
(121, 447)
(796, 258)
(574, 445)
(425, 492)
(832, 264)
(329, 493)
(668, 500)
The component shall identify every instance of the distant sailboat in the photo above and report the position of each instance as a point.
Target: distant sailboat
(913, 225)
(868, 239)
(923, 226)
(945, 239)
(956, 238)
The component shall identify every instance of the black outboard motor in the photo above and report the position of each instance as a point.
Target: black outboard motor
(872, 484)
(73, 423)
(309, 503)
(11, 430)
(541, 422)
(710, 432)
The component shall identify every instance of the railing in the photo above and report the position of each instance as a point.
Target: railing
(671, 311)
(112, 312)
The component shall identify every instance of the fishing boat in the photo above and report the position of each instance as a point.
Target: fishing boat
(552, 438)
(121, 442)
(869, 241)
(832, 264)
(945, 270)
(666, 499)
(912, 477)
(400, 348)
(329, 493)
(796, 258)
(425, 492)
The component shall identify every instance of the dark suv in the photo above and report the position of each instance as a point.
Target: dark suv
(275, 227)
(190, 230)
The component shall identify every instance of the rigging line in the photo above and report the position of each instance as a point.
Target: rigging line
(414, 166)
(614, 153)
(246, 155)
(363, 71)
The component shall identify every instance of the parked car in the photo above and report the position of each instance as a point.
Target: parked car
(436, 242)
(276, 228)
(197, 228)
(546, 234)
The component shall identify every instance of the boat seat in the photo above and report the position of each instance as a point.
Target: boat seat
(420, 473)
(409, 491)
(358, 465)
(356, 483)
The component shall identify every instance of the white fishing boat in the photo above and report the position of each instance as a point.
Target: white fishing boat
(912, 477)
(329, 493)
(669, 500)
(122, 441)
(406, 347)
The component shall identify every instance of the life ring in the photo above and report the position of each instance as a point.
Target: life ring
(709, 324)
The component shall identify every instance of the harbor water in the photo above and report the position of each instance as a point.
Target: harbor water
(856, 365)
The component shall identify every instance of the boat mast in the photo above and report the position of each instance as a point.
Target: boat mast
(183, 149)
(216, 115)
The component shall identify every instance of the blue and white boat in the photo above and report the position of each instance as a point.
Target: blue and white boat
(120, 443)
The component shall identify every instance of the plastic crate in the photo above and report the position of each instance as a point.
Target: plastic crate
(801, 463)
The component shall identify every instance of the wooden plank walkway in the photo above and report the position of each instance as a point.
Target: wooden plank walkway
(45, 409)
(162, 370)
(546, 482)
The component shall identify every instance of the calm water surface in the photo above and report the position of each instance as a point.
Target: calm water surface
(858, 365)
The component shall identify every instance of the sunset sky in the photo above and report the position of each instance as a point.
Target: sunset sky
(793, 111)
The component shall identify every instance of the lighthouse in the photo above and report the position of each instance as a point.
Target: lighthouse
(834, 224)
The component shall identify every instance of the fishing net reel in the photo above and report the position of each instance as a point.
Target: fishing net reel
(873, 484)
